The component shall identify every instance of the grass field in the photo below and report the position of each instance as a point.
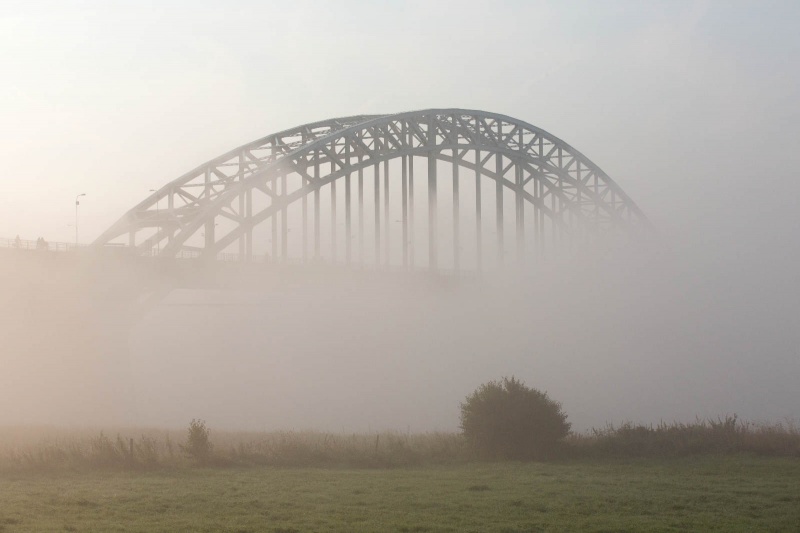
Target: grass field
(711, 493)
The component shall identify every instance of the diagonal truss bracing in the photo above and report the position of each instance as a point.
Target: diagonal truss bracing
(552, 192)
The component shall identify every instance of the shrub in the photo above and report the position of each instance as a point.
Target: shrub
(198, 446)
(507, 420)
(704, 436)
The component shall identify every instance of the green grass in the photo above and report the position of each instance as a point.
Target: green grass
(704, 493)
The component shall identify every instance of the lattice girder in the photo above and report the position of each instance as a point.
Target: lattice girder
(561, 184)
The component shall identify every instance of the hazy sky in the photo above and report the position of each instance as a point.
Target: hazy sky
(692, 107)
(682, 103)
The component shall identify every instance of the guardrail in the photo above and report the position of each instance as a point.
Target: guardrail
(40, 245)
(122, 250)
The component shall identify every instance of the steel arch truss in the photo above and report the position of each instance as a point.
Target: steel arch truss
(550, 190)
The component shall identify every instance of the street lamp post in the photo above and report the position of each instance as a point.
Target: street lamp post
(77, 203)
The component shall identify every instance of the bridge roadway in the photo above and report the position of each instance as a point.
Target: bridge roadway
(131, 277)
(66, 318)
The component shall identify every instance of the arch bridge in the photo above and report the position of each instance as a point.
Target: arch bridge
(439, 189)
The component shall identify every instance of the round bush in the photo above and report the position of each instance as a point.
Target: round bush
(507, 420)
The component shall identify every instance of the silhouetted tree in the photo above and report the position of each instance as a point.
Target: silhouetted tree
(198, 445)
(507, 420)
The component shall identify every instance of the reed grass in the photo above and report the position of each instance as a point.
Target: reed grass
(49, 449)
(703, 436)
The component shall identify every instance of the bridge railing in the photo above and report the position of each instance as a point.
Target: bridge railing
(41, 245)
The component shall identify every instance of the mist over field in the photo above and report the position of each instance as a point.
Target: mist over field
(666, 332)
(693, 108)
(643, 338)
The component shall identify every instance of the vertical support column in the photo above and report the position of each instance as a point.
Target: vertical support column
(456, 214)
(541, 239)
(555, 207)
(614, 214)
(210, 239)
(404, 187)
(520, 203)
(274, 220)
(243, 236)
(411, 211)
(520, 213)
(284, 219)
(333, 220)
(316, 206)
(377, 214)
(242, 217)
(536, 218)
(576, 226)
(360, 211)
(209, 230)
(387, 223)
(478, 225)
(249, 218)
(433, 229)
(348, 241)
(406, 142)
(170, 210)
(304, 202)
(537, 177)
(499, 205)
